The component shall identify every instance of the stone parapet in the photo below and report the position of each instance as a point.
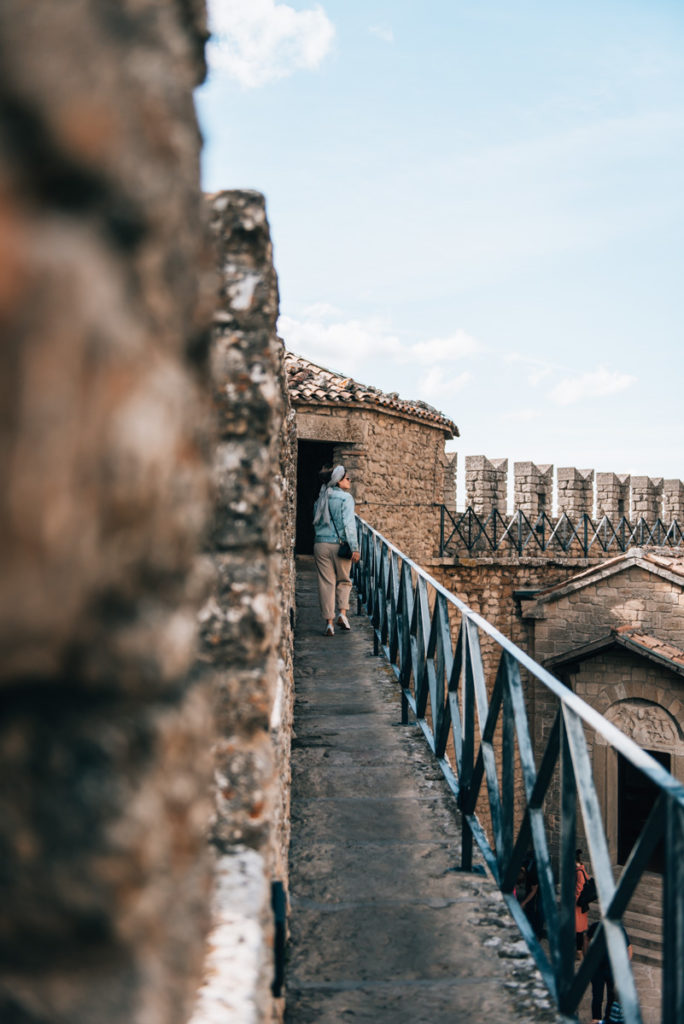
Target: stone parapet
(533, 491)
(617, 495)
(647, 498)
(486, 484)
(612, 496)
(246, 625)
(673, 501)
(450, 479)
(575, 491)
(105, 729)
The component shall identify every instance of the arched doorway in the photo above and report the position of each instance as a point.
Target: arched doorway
(653, 728)
(636, 796)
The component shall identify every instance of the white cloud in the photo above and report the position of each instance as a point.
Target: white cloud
(260, 41)
(596, 384)
(456, 346)
(383, 32)
(436, 386)
(344, 346)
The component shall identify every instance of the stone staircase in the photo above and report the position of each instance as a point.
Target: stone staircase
(644, 921)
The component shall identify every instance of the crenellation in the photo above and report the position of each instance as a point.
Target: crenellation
(486, 483)
(673, 500)
(647, 498)
(533, 491)
(612, 496)
(450, 479)
(575, 491)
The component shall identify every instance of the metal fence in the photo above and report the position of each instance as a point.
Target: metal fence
(522, 535)
(445, 686)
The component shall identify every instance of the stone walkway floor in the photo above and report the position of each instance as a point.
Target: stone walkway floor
(382, 928)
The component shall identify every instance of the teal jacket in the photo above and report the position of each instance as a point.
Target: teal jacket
(341, 506)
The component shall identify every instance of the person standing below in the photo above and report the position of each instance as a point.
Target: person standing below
(334, 523)
(603, 979)
(581, 916)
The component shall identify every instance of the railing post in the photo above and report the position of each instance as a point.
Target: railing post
(467, 751)
(566, 943)
(404, 709)
(441, 530)
(673, 916)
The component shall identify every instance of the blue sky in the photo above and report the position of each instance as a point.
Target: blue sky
(477, 204)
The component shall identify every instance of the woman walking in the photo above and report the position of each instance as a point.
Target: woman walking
(334, 523)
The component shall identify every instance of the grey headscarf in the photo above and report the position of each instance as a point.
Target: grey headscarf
(321, 508)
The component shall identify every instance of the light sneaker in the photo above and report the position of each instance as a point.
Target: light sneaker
(329, 631)
(343, 621)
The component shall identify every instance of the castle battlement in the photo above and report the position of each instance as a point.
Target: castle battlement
(577, 492)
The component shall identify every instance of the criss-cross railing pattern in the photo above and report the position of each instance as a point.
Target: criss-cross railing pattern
(525, 536)
(446, 688)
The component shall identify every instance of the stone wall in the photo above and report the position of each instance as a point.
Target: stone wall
(633, 597)
(577, 492)
(486, 484)
(400, 477)
(400, 472)
(104, 736)
(246, 625)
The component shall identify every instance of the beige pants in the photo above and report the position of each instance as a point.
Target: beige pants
(333, 578)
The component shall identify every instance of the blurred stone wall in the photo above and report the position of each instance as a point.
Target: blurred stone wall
(104, 731)
(246, 625)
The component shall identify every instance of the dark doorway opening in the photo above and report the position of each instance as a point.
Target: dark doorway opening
(311, 456)
(636, 797)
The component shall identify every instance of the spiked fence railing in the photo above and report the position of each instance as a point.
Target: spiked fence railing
(445, 686)
(472, 532)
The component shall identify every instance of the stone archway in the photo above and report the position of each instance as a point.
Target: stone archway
(655, 729)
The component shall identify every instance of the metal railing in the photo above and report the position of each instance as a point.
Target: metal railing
(521, 535)
(446, 688)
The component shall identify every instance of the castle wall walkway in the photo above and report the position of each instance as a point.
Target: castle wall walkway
(381, 926)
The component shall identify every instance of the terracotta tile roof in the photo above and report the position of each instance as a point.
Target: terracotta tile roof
(631, 638)
(657, 557)
(671, 560)
(310, 384)
(650, 645)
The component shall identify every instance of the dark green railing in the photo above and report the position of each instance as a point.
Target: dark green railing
(445, 686)
(468, 531)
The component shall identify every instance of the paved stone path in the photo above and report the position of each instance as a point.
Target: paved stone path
(382, 927)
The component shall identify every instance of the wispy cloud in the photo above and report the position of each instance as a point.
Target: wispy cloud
(453, 347)
(256, 42)
(383, 32)
(323, 334)
(434, 386)
(597, 384)
(343, 345)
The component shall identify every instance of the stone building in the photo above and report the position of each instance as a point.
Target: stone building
(393, 449)
(613, 634)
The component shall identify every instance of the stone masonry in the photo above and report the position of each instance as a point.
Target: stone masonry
(533, 489)
(393, 449)
(647, 498)
(103, 440)
(486, 481)
(246, 625)
(673, 500)
(612, 496)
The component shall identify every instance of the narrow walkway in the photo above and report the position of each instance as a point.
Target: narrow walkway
(382, 928)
